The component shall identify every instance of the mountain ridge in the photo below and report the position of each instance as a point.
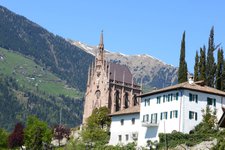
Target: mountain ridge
(152, 71)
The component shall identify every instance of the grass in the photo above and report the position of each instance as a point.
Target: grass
(31, 76)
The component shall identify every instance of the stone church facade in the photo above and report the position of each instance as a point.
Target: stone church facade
(109, 84)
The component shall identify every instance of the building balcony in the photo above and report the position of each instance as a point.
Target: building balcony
(150, 124)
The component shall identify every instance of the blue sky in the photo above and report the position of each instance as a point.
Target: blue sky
(131, 27)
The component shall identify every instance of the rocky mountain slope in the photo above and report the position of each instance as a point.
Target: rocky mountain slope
(153, 72)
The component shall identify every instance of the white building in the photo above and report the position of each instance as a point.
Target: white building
(125, 126)
(176, 108)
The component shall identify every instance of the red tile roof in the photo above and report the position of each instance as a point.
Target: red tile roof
(196, 86)
(130, 110)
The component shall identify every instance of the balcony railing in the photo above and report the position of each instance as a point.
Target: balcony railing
(150, 124)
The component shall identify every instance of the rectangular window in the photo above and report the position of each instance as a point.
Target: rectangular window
(158, 99)
(149, 102)
(147, 117)
(133, 120)
(143, 118)
(122, 122)
(164, 98)
(193, 97)
(190, 97)
(173, 114)
(145, 102)
(196, 116)
(154, 118)
(211, 101)
(177, 95)
(193, 115)
(120, 138)
(163, 115)
(127, 137)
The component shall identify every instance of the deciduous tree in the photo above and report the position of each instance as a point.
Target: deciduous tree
(37, 133)
(60, 132)
(16, 138)
(97, 128)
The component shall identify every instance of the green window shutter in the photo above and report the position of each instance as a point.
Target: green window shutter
(151, 117)
(177, 95)
(156, 118)
(166, 115)
(189, 114)
(171, 114)
(164, 98)
(176, 113)
(196, 116)
(214, 102)
(190, 97)
(196, 100)
(161, 116)
(143, 118)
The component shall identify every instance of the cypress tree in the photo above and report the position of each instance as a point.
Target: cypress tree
(219, 69)
(210, 64)
(202, 63)
(223, 77)
(196, 67)
(182, 71)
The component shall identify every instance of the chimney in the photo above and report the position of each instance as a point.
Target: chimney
(190, 79)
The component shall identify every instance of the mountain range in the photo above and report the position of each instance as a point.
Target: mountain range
(149, 71)
(44, 74)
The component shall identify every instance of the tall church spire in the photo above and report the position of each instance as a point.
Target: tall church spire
(101, 44)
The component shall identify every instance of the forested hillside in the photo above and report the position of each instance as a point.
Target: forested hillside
(28, 89)
(53, 52)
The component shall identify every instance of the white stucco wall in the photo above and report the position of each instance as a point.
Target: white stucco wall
(127, 128)
(189, 124)
(182, 123)
(164, 125)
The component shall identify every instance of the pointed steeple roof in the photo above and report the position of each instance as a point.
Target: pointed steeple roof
(101, 44)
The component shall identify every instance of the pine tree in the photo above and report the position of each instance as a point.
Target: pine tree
(202, 63)
(182, 72)
(210, 64)
(196, 67)
(219, 69)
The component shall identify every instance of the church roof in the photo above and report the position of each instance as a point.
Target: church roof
(130, 110)
(195, 86)
(120, 73)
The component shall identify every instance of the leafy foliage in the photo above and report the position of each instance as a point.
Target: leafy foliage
(3, 138)
(182, 72)
(202, 132)
(16, 139)
(37, 133)
(96, 130)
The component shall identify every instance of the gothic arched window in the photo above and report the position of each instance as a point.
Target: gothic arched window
(135, 100)
(117, 99)
(126, 100)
